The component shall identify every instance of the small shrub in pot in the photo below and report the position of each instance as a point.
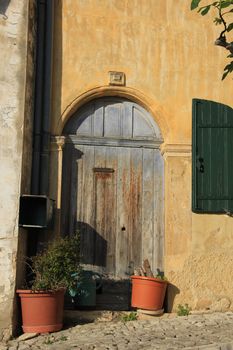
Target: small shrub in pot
(54, 270)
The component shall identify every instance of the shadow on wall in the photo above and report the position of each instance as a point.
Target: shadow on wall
(3, 7)
(171, 293)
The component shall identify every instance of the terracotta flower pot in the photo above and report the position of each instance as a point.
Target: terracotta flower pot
(42, 312)
(148, 293)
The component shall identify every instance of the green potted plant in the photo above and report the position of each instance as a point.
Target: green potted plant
(54, 270)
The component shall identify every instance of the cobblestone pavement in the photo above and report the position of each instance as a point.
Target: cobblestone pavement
(200, 331)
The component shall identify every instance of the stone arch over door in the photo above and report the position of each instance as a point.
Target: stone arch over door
(113, 186)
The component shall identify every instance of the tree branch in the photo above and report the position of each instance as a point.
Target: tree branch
(223, 21)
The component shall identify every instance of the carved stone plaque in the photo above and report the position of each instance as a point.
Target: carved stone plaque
(116, 78)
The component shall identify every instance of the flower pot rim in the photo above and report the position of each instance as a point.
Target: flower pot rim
(31, 291)
(154, 279)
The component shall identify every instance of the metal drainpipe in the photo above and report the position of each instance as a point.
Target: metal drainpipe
(42, 109)
(38, 98)
(43, 84)
(46, 117)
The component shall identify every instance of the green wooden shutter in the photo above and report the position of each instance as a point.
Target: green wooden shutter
(212, 157)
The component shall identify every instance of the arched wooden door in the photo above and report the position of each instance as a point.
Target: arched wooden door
(113, 186)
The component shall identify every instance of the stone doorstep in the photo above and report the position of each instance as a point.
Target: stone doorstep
(87, 316)
(83, 316)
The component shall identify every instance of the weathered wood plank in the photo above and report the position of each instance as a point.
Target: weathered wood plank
(100, 252)
(148, 244)
(112, 114)
(127, 121)
(80, 199)
(141, 126)
(135, 210)
(74, 156)
(123, 213)
(158, 219)
(85, 123)
(99, 120)
(79, 183)
(110, 209)
(88, 231)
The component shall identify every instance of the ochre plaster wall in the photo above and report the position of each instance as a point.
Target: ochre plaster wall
(168, 56)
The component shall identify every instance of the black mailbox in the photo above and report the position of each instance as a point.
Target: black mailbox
(36, 211)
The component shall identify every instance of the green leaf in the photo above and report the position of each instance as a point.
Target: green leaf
(228, 69)
(195, 4)
(224, 75)
(226, 3)
(205, 10)
(230, 27)
(217, 21)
